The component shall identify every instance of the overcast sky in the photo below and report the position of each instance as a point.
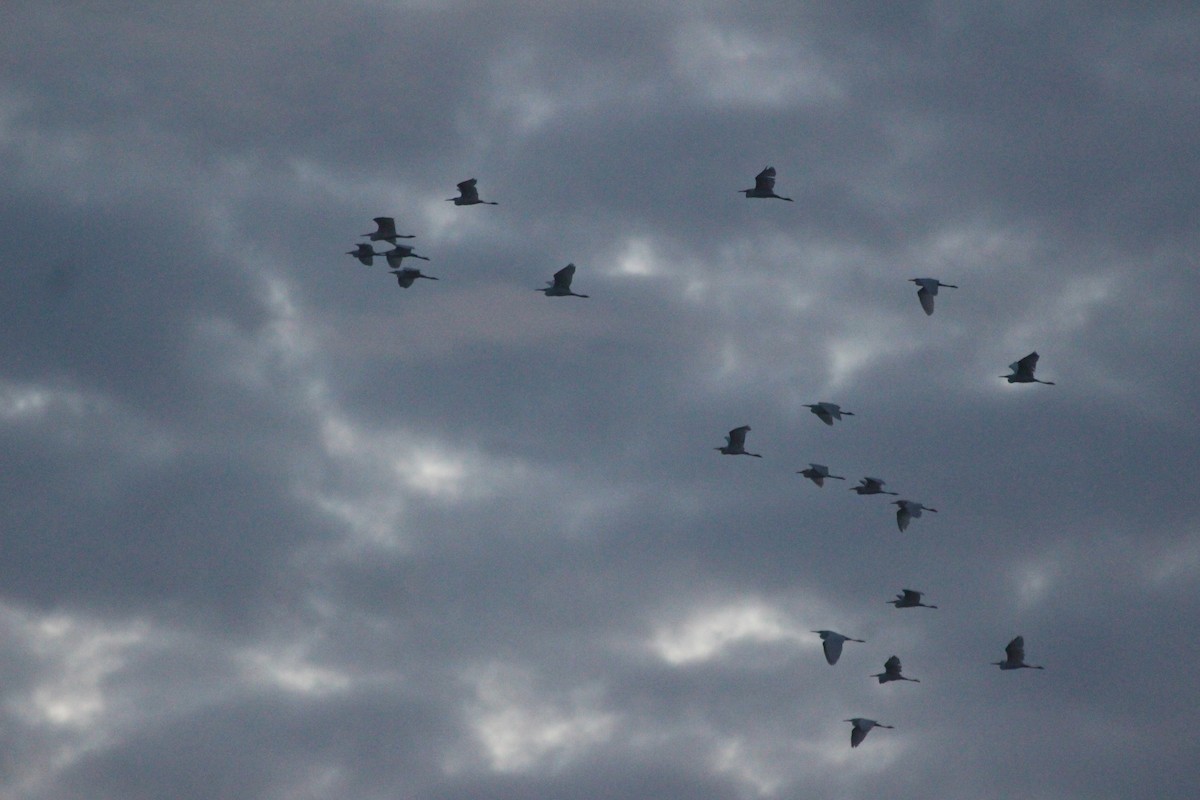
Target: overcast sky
(274, 527)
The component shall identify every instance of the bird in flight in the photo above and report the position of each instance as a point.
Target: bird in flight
(871, 486)
(385, 230)
(764, 186)
(831, 643)
(561, 285)
(817, 473)
(364, 253)
(405, 277)
(468, 195)
(928, 291)
(1022, 371)
(891, 672)
(735, 443)
(861, 728)
(395, 257)
(827, 412)
(909, 510)
(1014, 656)
(909, 599)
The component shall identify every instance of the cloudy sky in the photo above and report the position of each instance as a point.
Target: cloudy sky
(273, 527)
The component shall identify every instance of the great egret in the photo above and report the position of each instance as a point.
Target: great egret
(828, 412)
(764, 186)
(871, 486)
(891, 672)
(735, 443)
(386, 231)
(406, 276)
(817, 473)
(831, 643)
(1015, 656)
(909, 510)
(561, 285)
(468, 195)
(928, 291)
(909, 599)
(861, 728)
(395, 257)
(364, 253)
(1022, 371)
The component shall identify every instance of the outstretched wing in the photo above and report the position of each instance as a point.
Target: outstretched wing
(833, 648)
(386, 227)
(468, 190)
(857, 735)
(926, 298)
(765, 180)
(562, 278)
(737, 436)
(405, 277)
(1016, 650)
(1027, 364)
(892, 666)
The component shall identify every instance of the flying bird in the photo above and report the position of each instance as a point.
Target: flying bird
(364, 253)
(468, 195)
(405, 277)
(817, 473)
(871, 486)
(861, 728)
(561, 285)
(395, 257)
(385, 230)
(735, 443)
(909, 599)
(764, 186)
(891, 672)
(831, 643)
(1015, 656)
(928, 291)
(909, 510)
(1022, 371)
(828, 412)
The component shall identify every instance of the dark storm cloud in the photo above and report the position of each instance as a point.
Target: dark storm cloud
(274, 526)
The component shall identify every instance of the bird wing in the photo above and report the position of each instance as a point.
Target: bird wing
(562, 278)
(892, 666)
(823, 413)
(468, 190)
(926, 298)
(386, 225)
(737, 437)
(405, 277)
(765, 180)
(1027, 364)
(1016, 650)
(857, 735)
(902, 518)
(832, 646)
(909, 596)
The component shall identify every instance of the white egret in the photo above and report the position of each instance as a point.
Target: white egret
(828, 412)
(561, 285)
(831, 643)
(1022, 371)
(385, 230)
(928, 291)
(1015, 656)
(395, 257)
(909, 599)
(468, 195)
(861, 728)
(364, 253)
(405, 277)
(871, 486)
(735, 443)
(764, 186)
(817, 473)
(891, 672)
(909, 510)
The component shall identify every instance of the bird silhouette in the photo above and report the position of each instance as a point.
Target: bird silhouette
(561, 285)
(1022, 371)
(364, 253)
(385, 230)
(909, 510)
(831, 643)
(1014, 656)
(817, 473)
(909, 599)
(764, 186)
(395, 257)
(928, 291)
(861, 728)
(405, 277)
(468, 195)
(871, 486)
(735, 443)
(891, 672)
(828, 412)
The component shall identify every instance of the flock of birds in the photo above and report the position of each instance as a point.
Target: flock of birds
(1021, 371)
